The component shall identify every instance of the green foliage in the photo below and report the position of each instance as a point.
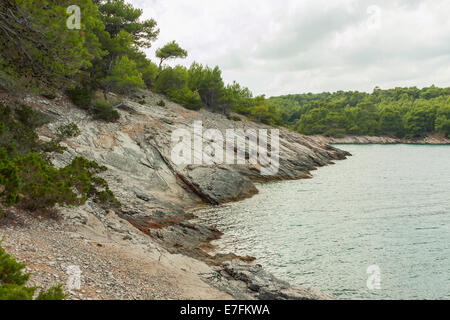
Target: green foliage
(399, 112)
(53, 293)
(191, 100)
(171, 79)
(148, 69)
(49, 94)
(38, 50)
(36, 47)
(102, 110)
(17, 134)
(31, 183)
(81, 97)
(391, 122)
(118, 15)
(265, 112)
(172, 50)
(208, 83)
(69, 130)
(173, 82)
(236, 98)
(28, 180)
(17, 126)
(13, 282)
(418, 121)
(124, 76)
(161, 103)
(337, 133)
(442, 122)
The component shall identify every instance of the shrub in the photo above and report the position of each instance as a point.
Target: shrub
(29, 117)
(13, 282)
(102, 110)
(171, 79)
(30, 182)
(17, 126)
(188, 99)
(81, 97)
(161, 103)
(70, 130)
(191, 100)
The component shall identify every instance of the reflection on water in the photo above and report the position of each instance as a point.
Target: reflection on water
(388, 205)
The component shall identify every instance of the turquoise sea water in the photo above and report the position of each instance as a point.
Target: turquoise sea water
(388, 205)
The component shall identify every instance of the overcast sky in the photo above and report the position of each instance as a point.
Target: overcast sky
(294, 46)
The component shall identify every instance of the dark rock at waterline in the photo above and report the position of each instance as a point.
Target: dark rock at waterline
(219, 184)
(245, 281)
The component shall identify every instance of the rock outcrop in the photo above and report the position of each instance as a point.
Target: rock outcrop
(253, 282)
(154, 191)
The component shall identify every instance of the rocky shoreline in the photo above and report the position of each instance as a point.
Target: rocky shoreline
(154, 223)
(352, 139)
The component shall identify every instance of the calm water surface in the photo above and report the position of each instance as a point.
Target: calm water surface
(388, 205)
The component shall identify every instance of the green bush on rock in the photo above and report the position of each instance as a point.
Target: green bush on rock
(102, 110)
(17, 127)
(13, 282)
(31, 183)
(81, 97)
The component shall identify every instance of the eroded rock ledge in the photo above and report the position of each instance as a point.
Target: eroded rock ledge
(253, 282)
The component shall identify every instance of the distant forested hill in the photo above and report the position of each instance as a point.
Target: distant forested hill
(399, 112)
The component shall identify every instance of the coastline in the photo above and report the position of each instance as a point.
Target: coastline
(154, 224)
(354, 139)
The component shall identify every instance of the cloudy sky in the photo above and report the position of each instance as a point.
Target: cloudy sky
(294, 46)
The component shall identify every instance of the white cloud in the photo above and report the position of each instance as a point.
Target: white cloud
(293, 46)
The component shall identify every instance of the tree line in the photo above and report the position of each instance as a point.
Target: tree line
(39, 52)
(399, 112)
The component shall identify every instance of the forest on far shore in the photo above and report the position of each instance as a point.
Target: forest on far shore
(399, 112)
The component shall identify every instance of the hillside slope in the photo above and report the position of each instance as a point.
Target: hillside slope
(156, 193)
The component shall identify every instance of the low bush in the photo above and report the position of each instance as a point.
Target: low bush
(188, 99)
(13, 282)
(102, 110)
(81, 97)
(31, 183)
(191, 100)
(161, 103)
(70, 130)
(17, 127)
